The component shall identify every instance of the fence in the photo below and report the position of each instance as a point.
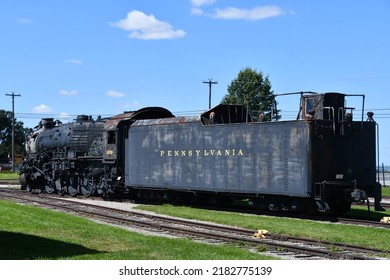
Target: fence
(384, 178)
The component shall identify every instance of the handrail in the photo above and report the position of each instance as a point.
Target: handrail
(331, 111)
(363, 97)
(341, 119)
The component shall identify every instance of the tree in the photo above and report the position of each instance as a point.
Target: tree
(251, 89)
(6, 135)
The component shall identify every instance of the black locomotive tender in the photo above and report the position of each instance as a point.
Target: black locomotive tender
(323, 160)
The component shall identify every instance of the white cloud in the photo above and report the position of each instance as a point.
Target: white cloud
(42, 109)
(73, 61)
(257, 13)
(114, 93)
(147, 27)
(197, 11)
(63, 115)
(68, 92)
(24, 21)
(199, 3)
(133, 105)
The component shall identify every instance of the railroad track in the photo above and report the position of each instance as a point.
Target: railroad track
(366, 221)
(296, 248)
(14, 181)
(385, 205)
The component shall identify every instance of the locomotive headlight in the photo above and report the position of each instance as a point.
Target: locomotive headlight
(339, 176)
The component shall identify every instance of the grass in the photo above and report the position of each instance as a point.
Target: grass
(54, 235)
(361, 212)
(28, 232)
(386, 191)
(9, 175)
(372, 237)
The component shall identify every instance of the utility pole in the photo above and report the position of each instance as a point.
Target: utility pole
(13, 129)
(210, 82)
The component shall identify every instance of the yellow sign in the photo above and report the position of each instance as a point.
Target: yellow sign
(203, 152)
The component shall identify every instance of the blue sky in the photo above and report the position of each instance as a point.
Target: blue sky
(100, 57)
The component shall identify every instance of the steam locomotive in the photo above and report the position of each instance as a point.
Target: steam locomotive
(323, 160)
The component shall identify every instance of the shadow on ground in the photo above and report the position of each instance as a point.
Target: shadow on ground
(19, 246)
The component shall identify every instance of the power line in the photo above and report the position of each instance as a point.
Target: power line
(380, 113)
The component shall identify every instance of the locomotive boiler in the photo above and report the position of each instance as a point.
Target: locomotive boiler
(64, 157)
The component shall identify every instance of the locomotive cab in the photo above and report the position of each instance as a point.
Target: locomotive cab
(115, 129)
(115, 139)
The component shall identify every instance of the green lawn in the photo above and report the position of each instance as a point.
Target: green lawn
(8, 175)
(33, 233)
(28, 232)
(386, 191)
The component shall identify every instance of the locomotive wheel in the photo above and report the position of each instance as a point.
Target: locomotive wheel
(87, 187)
(49, 186)
(73, 186)
(59, 184)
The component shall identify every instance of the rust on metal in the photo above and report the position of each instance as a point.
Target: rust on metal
(113, 122)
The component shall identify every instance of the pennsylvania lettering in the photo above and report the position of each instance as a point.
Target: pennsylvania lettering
(201, 152)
